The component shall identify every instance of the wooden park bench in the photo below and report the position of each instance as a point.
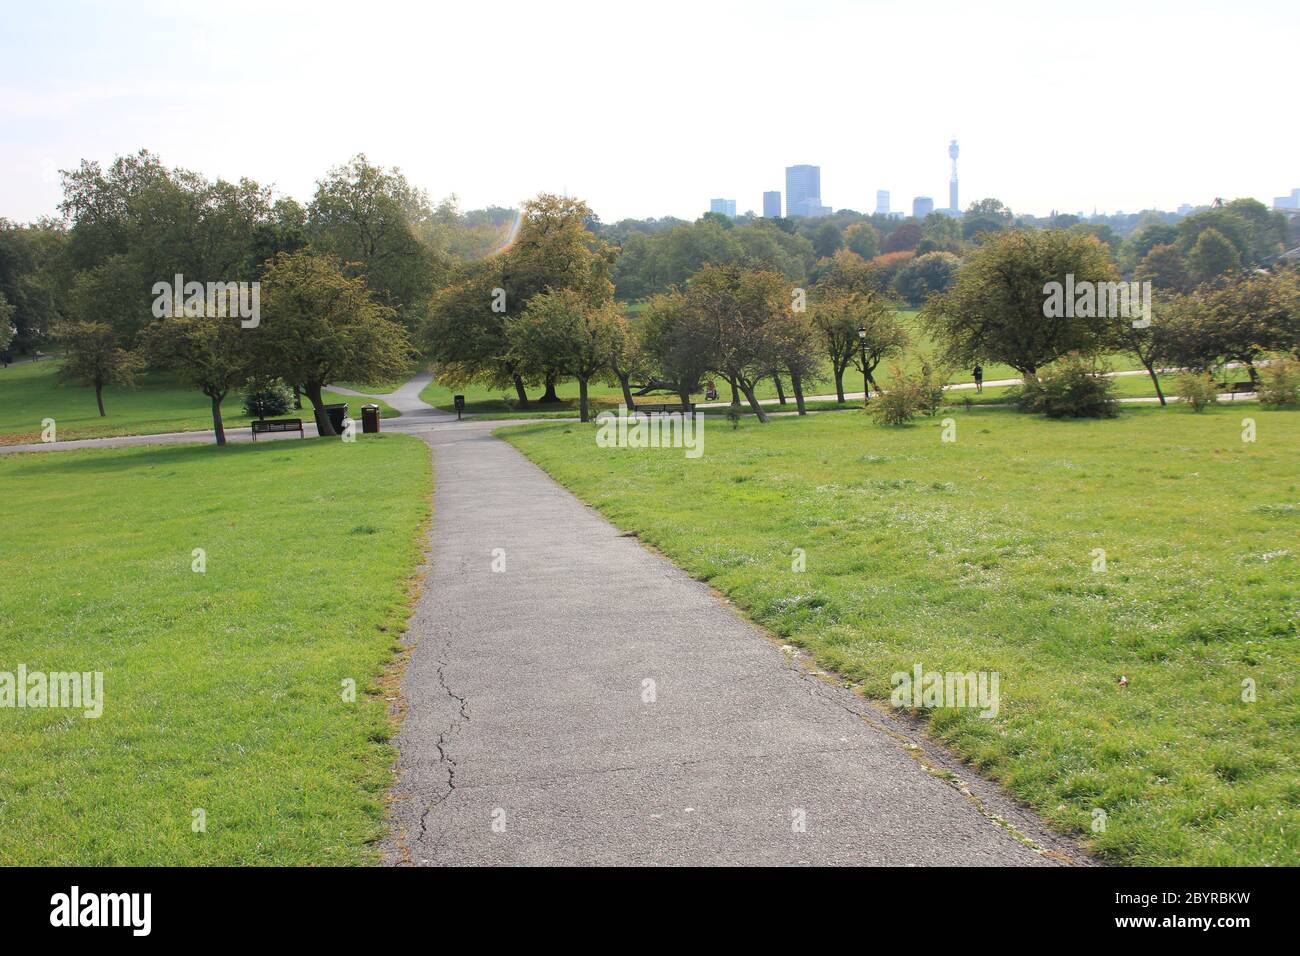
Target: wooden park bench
(261, 427)
(673, 407)
(1236, 388)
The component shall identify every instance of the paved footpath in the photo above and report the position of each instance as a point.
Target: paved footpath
(531, 738)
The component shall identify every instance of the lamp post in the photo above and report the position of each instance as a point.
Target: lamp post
(866, 384)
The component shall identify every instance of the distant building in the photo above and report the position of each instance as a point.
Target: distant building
(725, 206)
(922, 206)
(882, 202)
(1288, 202)
(953, 204)
(772, 204)
(1184, 210)
(803, 191)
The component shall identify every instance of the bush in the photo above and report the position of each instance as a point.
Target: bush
(1074, 388)
(1196, 389)
(268, 401)
(1279, 383)
(908, 396)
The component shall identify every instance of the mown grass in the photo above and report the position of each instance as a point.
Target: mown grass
(223, 690)
(30, 392)
(978, 555)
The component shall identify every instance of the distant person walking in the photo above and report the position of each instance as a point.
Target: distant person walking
(979, 378)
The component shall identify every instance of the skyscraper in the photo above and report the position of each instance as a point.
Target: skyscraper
(922, 206)
(725, 206)
(952, 183)
(772, 204)
(803, 191)
(882, 202)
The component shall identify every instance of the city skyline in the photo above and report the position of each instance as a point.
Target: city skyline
(82, 82)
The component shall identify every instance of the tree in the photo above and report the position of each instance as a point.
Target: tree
(885, 338)
(862, 238)
(997, 309)
(904, 239)
(795, 344)
(677, 343)
(1240, 320)
(566, 329)
(371, 218)
(827, 240)
(932, 272)
(739, 309)
(91, 356)
(1212, 256)
(320, 325)
(1165, 268)
(7, 330)
(985, 216)
(211, 353)
(629, 358)
(1149, 343)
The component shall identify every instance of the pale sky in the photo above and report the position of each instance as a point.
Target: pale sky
(654, 108)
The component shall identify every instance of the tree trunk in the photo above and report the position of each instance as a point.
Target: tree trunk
(735, 392)
(549, 395)
(582, 400)
(324, 427)
(796, 382)
(684, 394)
(519, 391)
(753, 402)
(218, 427)
(297, 396)
(1155, 380)
(839, 384)
(99, 398)
(780, 392)
(1254, 375)
(626, 382)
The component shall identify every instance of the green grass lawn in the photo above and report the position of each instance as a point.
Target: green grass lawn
(30, 392)
(978, 556)
(223, 689)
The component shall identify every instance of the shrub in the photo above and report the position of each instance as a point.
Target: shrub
(1074, 388)
(908, 396)
(1279, 383)
(1196, 389)
(268, 400)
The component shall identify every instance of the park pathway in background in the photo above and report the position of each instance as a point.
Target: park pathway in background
(573, 698)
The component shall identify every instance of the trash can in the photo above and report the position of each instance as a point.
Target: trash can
(337, 414)
(369, 419)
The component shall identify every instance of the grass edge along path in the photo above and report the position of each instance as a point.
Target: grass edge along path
(224, 691)
(977, 556)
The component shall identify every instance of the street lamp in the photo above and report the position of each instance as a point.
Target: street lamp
(866, 385)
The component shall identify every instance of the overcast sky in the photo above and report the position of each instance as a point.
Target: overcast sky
(653, 108)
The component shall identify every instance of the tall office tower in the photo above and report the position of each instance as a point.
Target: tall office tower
(1288, 202)
(922, 206)
(803, 190)
(772, 204)
(725, 206)
(952, 183)
(882, 202)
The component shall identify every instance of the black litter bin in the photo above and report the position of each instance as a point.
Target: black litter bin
(369, 419)
(337, 414)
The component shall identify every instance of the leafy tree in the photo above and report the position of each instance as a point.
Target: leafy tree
(932, 272)
(1212, 256)
(320, 326)
(739, 309)
(629, 358)
(985, 216)
(796, 348)
(1240, 320)
(371, 217)
(827, 240)
(996, 309)
(863, 239)
(212, 354)
(904, 239)
(7, 330)
(677, 343)
(91, 356)
(566, 329)
(1165, 268)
